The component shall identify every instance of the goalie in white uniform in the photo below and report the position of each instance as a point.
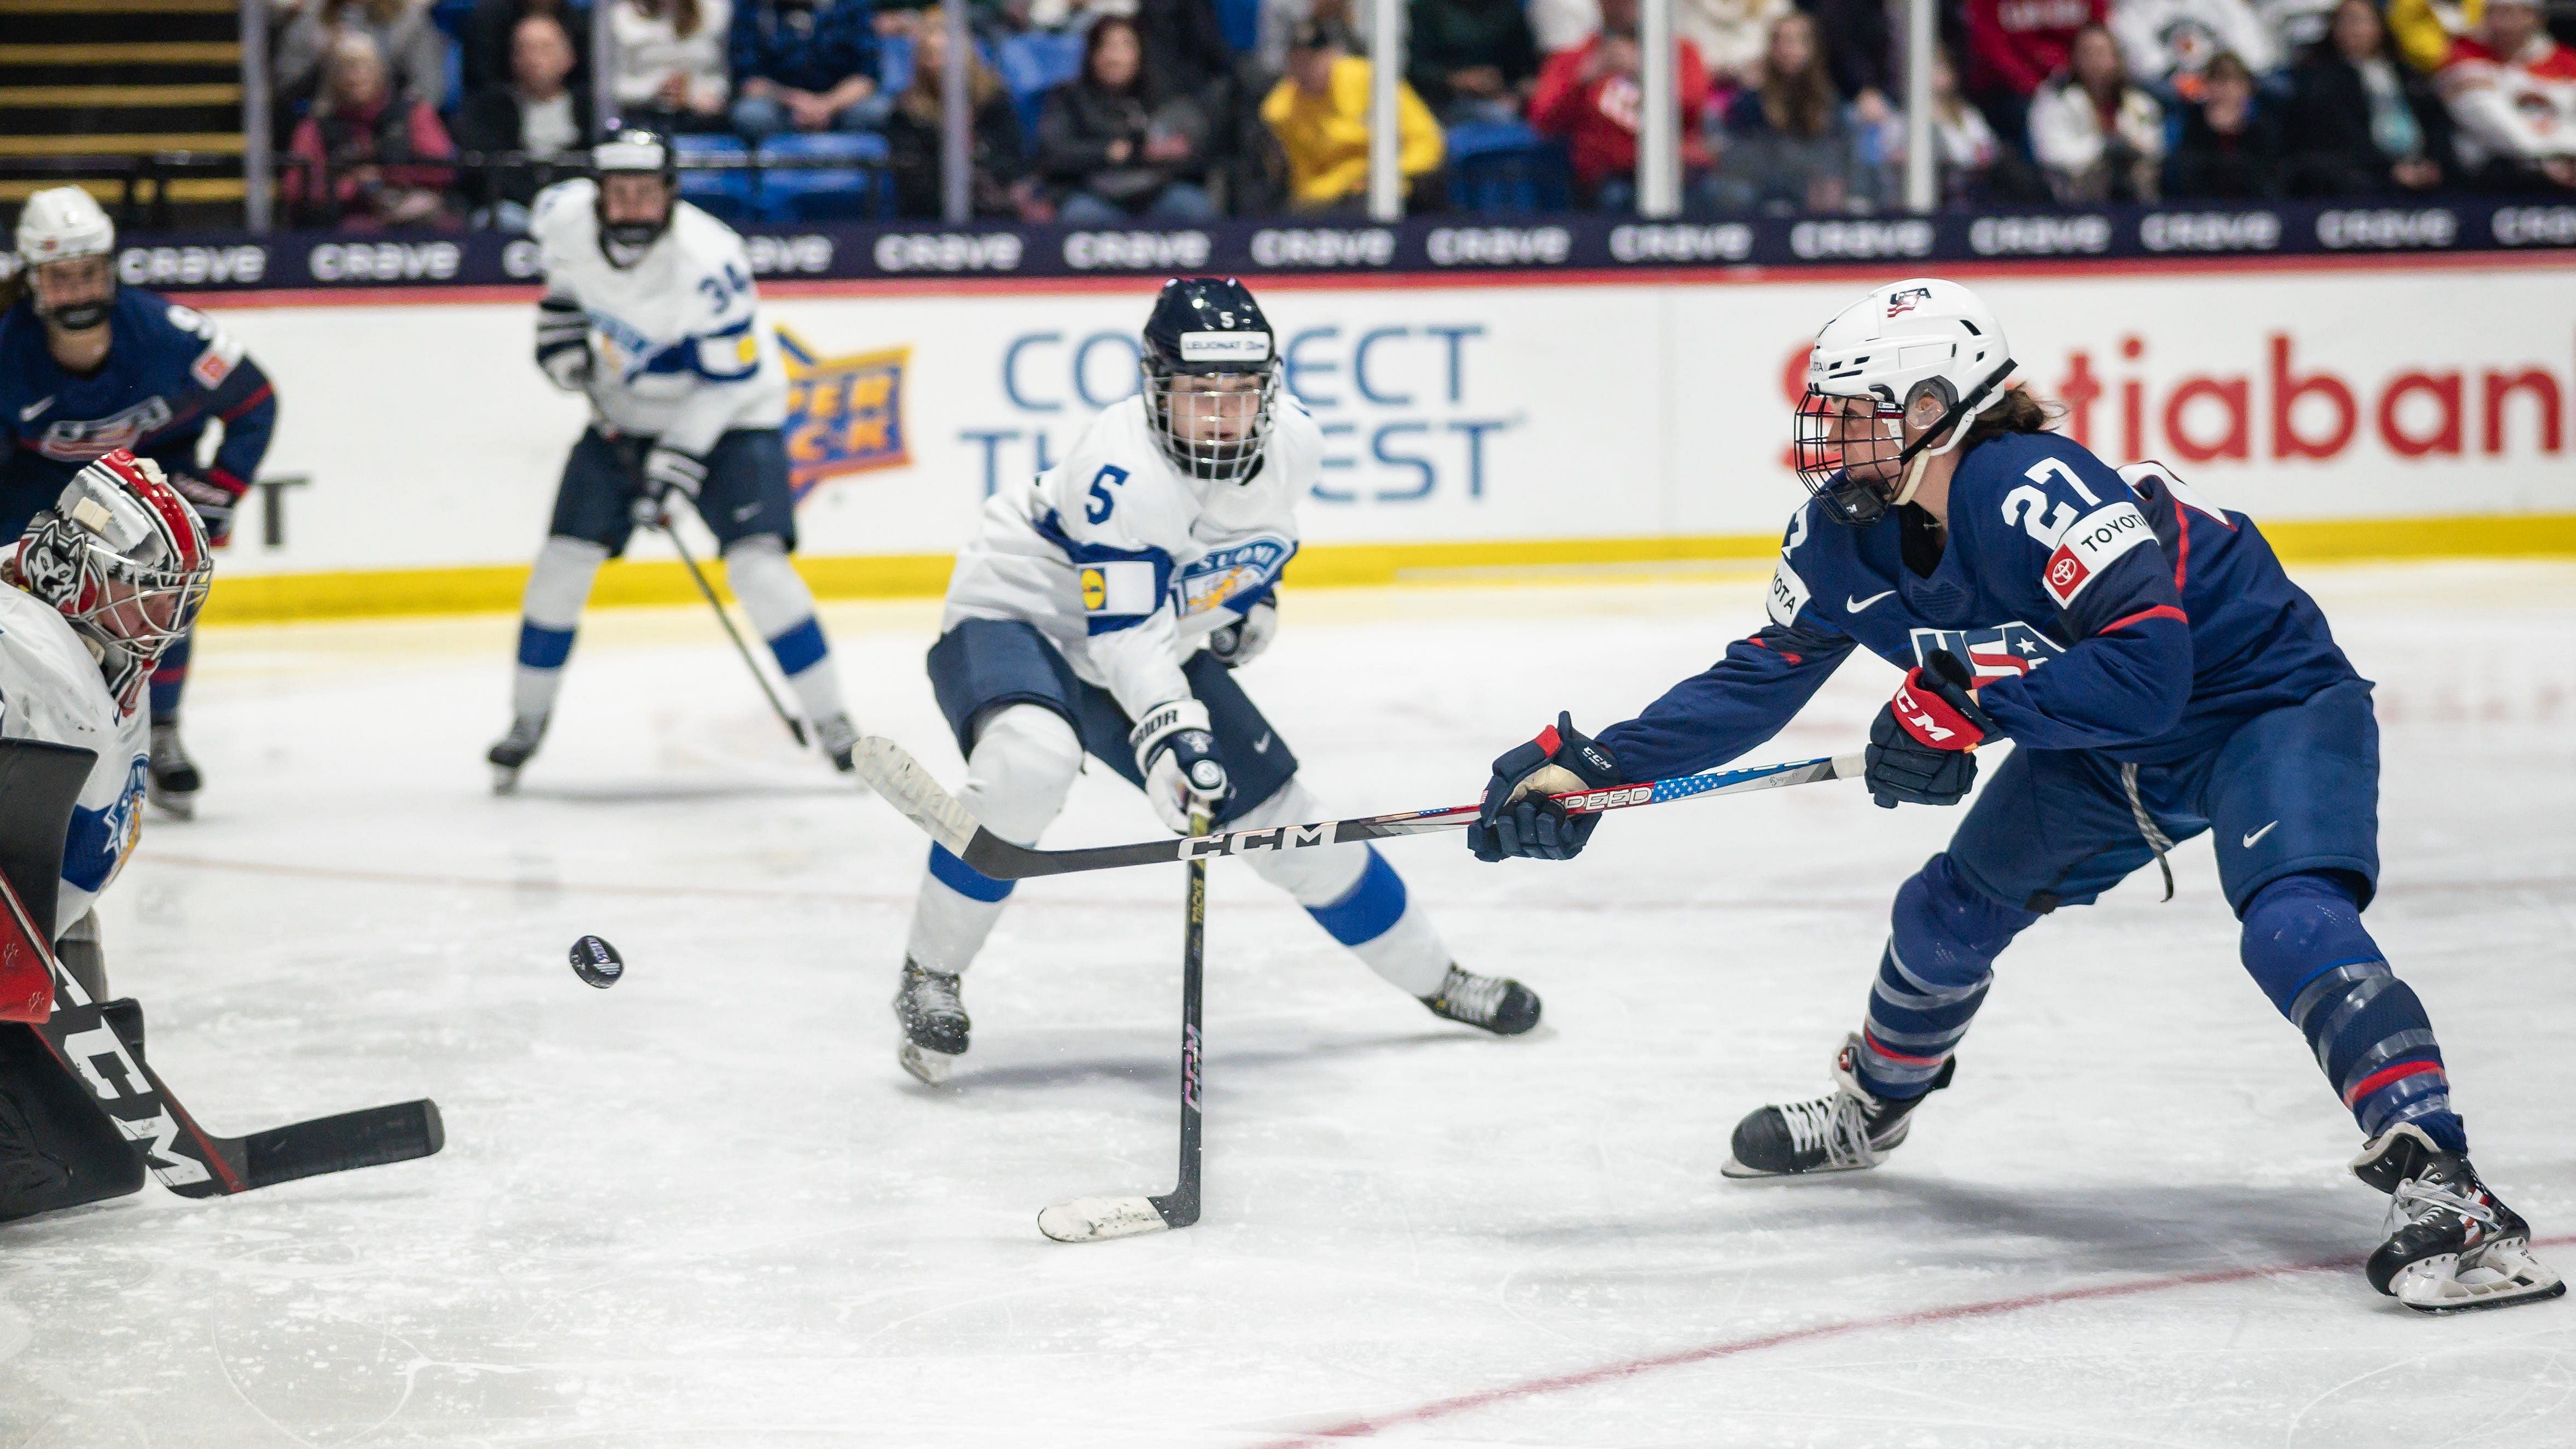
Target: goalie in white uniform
(103, 583)
(650, 309)
(1103, 609)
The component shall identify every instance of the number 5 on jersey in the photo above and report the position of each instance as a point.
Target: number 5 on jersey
(1097, 510)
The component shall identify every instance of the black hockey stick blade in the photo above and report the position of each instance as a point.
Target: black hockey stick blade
(101, 1044)
(894, 774)
(368, 1137)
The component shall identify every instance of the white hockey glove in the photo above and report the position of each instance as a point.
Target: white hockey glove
(1239, 643)
(1177, 756)
(667, 470)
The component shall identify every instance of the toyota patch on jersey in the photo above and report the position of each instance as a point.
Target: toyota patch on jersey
(2090, 546)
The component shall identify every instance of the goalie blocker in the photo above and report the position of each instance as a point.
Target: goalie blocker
(83, 1117)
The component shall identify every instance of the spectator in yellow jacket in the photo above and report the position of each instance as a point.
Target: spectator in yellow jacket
(1320, 113)
(2424, 29)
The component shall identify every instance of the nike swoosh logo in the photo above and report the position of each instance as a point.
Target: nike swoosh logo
(28, 413)
(2259, 834)
(744, 513)
(1853, 605)
(1261, 746)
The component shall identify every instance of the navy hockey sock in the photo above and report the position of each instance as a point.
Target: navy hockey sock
(1931, 978)
(2305, 946)
(169, 677)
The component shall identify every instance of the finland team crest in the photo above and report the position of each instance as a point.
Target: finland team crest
(1238, 571)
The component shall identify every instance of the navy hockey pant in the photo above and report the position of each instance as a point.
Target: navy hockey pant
(2292, 797)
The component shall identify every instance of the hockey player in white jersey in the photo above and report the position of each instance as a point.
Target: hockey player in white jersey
(1102, 609)
(650, 310)
(101, 584)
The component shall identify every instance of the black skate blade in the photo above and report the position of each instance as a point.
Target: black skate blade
(1731, 1168)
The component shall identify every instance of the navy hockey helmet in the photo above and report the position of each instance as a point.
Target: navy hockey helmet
(634, 151)
(1211, 376)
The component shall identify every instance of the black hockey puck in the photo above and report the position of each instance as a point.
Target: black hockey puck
(597, 962)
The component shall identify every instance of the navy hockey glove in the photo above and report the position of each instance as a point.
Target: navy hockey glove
(1176, 754)
(666, 471)
(1239, 643)
(214, 500)
(1519, 818)
(563, 343)
(1919, 745)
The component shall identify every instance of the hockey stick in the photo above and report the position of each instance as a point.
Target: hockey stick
(794, 725)
(1090, 1219)
(893, 773)
(101, 1045)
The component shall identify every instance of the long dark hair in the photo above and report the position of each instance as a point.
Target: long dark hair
(1801, 102)
(1092, 40)
(2017, 411)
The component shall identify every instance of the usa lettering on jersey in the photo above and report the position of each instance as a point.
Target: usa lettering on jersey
(2089, 546)
(1995, 653)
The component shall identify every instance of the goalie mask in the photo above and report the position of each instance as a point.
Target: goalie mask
(1923, 352)
(67, 248)
(634, 151)
(124, 558)
(1211, 377)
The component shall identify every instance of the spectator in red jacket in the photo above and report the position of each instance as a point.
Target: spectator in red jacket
(1591, 95)
(2014, 46)
(362, 149)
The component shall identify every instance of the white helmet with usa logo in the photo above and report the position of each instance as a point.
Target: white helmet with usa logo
(1923, 356)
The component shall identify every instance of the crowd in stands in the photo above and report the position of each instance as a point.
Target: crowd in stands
(1110, 112)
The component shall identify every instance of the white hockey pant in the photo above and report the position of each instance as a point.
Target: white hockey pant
(1023, 766)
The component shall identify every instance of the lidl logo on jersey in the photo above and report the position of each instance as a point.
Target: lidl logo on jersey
(1237, 571)
(2004, 650)
(844, 414)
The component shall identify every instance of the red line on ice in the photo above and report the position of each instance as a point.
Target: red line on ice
(1731, 1348)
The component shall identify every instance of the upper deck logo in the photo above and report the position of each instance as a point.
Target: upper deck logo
(844, 414)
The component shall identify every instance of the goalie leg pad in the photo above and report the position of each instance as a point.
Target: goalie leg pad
(57, 1148)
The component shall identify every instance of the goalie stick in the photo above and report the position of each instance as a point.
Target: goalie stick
(1090, 1219)
(99, 1045)
(894, 774)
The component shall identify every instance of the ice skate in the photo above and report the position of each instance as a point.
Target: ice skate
(934, 1023)
(840, 740)
(174, 780)
(1842, 1132)
(2452, 1244)
(1496, 1003)
(514, 751)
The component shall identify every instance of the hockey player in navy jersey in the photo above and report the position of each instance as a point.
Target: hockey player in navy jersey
(651, 311)
(87, 367)
(2159, 676)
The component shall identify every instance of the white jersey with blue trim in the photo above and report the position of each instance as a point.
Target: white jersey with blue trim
(51, 690)
(679, 349)
(1126, 562)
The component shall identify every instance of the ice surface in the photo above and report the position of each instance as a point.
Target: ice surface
(705, 1208)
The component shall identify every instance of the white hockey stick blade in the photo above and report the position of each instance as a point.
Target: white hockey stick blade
(893, 773)
(1092, 1219)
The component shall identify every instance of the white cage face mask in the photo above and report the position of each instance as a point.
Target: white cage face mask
(1215, 424)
